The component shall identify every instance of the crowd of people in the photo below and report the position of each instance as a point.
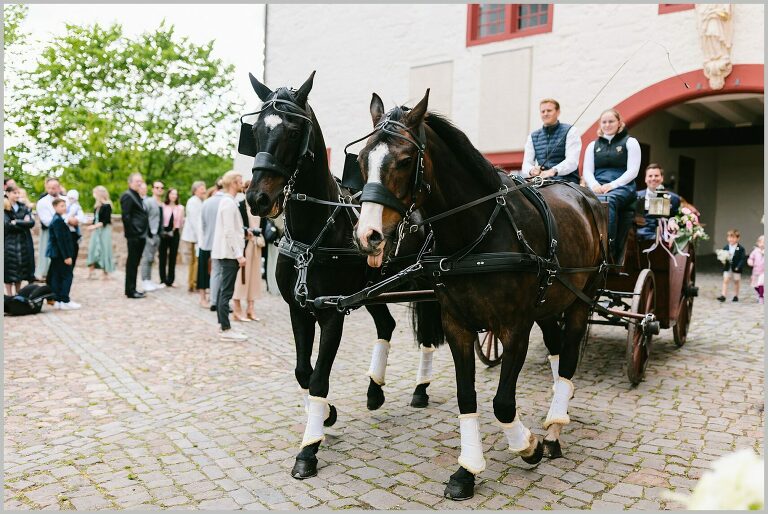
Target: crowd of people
(222, 241)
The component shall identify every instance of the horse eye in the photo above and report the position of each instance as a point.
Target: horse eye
(404, 163)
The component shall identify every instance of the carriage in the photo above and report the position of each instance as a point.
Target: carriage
(649, 280)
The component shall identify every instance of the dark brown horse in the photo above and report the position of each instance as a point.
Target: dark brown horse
(419, 160)
(291, 160)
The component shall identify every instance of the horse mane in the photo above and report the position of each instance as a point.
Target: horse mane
(463, 150)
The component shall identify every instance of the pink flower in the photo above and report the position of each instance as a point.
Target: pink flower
(672, 225)
(685, 210)
(688, 225)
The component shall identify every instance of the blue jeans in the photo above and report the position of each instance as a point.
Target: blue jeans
(60, 276)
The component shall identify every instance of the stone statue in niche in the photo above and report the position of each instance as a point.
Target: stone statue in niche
(715, 27)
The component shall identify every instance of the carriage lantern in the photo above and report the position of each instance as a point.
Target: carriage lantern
(657, 203)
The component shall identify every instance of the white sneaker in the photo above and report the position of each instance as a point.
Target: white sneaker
(148, 285)
(69, 306)
(231, 335)
(57, 305)
(158, 286)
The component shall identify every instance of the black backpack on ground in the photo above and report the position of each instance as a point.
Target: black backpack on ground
(29, 300)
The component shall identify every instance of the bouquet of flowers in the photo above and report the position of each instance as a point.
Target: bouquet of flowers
(735, 483)
(723, 256)
(684, 228)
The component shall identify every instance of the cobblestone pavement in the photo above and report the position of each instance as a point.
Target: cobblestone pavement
(137, 404)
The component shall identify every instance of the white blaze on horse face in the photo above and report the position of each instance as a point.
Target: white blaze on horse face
(272, 121)
(375, 160)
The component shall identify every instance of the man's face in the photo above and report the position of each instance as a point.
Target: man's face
(653, 178)
(60, 208)
(143, 189)
(53, 188)
(158, 188)
(549, 113)
(135, 183)
(200, 191)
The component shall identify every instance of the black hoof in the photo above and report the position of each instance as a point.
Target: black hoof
(552, 449)
(420, 397)
(461, 485)
(375, 396)
(538, 453)
(331, 419)
(306, 462)
(304, 468)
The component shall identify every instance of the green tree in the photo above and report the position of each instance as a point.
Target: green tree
(100, 105)
(14, 44)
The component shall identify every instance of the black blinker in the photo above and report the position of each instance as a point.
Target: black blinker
(352, 177)
(247, 143)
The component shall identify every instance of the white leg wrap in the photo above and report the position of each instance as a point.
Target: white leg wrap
(558, 410)
(471, 457)
(305, 396)
(318, 411)
(379, 361)
(518, 435)
(554, 363)
(424, 374)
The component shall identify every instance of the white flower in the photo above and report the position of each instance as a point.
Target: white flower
(723, 256)
(735, 483)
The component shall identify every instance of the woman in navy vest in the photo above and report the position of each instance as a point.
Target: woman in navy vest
(611, 163)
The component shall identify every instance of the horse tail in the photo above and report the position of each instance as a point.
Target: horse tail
(427, 323)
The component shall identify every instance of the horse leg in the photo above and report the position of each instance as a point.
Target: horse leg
(461, 485)
(303, 325)
(552, 331)
(385, 325)
(576, 318)
(320, 412)
(519, 437)
(428, 328)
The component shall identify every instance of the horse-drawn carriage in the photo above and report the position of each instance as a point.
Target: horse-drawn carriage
(519, 253)
(650, 280)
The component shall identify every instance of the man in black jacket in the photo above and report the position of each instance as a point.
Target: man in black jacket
(61, 251)
(136, 227)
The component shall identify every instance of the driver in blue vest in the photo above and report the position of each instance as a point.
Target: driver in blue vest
(553, 150)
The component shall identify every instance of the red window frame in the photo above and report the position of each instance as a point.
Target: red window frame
(510, 31)
(668, 8)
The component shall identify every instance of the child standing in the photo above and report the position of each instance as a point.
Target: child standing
(737, 258)
(61, 252)
(757, 261)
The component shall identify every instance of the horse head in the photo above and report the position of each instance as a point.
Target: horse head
(392, 163)
(283, 134)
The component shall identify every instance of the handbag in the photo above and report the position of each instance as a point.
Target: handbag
(166, 232)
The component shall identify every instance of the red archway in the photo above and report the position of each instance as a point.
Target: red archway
(745, 78)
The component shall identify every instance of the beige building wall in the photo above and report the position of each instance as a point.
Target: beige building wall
(438, 78)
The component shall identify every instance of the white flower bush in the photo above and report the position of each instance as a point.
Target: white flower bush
(735, 483)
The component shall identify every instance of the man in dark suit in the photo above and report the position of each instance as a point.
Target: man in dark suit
(61, 251)
(136, 227)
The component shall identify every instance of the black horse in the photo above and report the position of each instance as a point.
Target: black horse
(318, 259)
(419, 160)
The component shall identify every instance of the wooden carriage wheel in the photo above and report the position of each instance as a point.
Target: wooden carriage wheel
(639, 343)
(488, 348)
(680, 330)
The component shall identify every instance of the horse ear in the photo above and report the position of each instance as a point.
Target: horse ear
(303, 92)
(416, 115)
(377, 109)
(263, 91)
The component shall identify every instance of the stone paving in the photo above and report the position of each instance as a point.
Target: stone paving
(135, 404)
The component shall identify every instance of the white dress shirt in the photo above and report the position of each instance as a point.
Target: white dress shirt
(45, 210)
(193, 224)
(633, 164)
(229, 235)
(568, 165)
